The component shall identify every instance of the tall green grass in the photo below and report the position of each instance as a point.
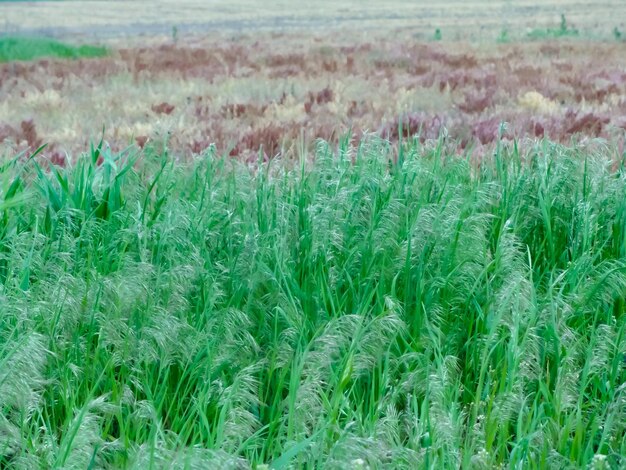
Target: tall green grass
(27, 48)
(381, 308)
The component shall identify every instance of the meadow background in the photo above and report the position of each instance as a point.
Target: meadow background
(356, 235)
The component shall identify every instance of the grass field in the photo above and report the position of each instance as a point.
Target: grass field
(378, 308)
(327, 237)
(277, 91)
(457, 19)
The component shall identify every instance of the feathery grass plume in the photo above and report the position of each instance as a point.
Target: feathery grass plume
(22, 362)
(82, 441)
(375, 306)
(239, 405)
(161, 456)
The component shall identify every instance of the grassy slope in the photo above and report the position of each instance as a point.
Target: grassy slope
(23, 48)
(347, 315)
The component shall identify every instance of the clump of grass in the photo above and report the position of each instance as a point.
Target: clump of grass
(564, 30)
(503, 37)
(382, 307)
(26, 48)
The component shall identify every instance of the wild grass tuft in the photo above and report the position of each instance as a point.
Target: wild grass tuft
(30, 48)
(563, 31)
(380, 308)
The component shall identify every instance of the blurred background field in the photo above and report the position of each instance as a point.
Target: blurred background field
(460, 19)
(278, 77)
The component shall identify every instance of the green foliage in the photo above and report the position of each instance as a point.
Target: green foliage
(503, 38)
(24, 48)
(563, 31)
(383, 307)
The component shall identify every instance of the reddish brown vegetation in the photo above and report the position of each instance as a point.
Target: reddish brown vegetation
(26, 134)
(141, 141)
(163, 108)
(580, 88)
